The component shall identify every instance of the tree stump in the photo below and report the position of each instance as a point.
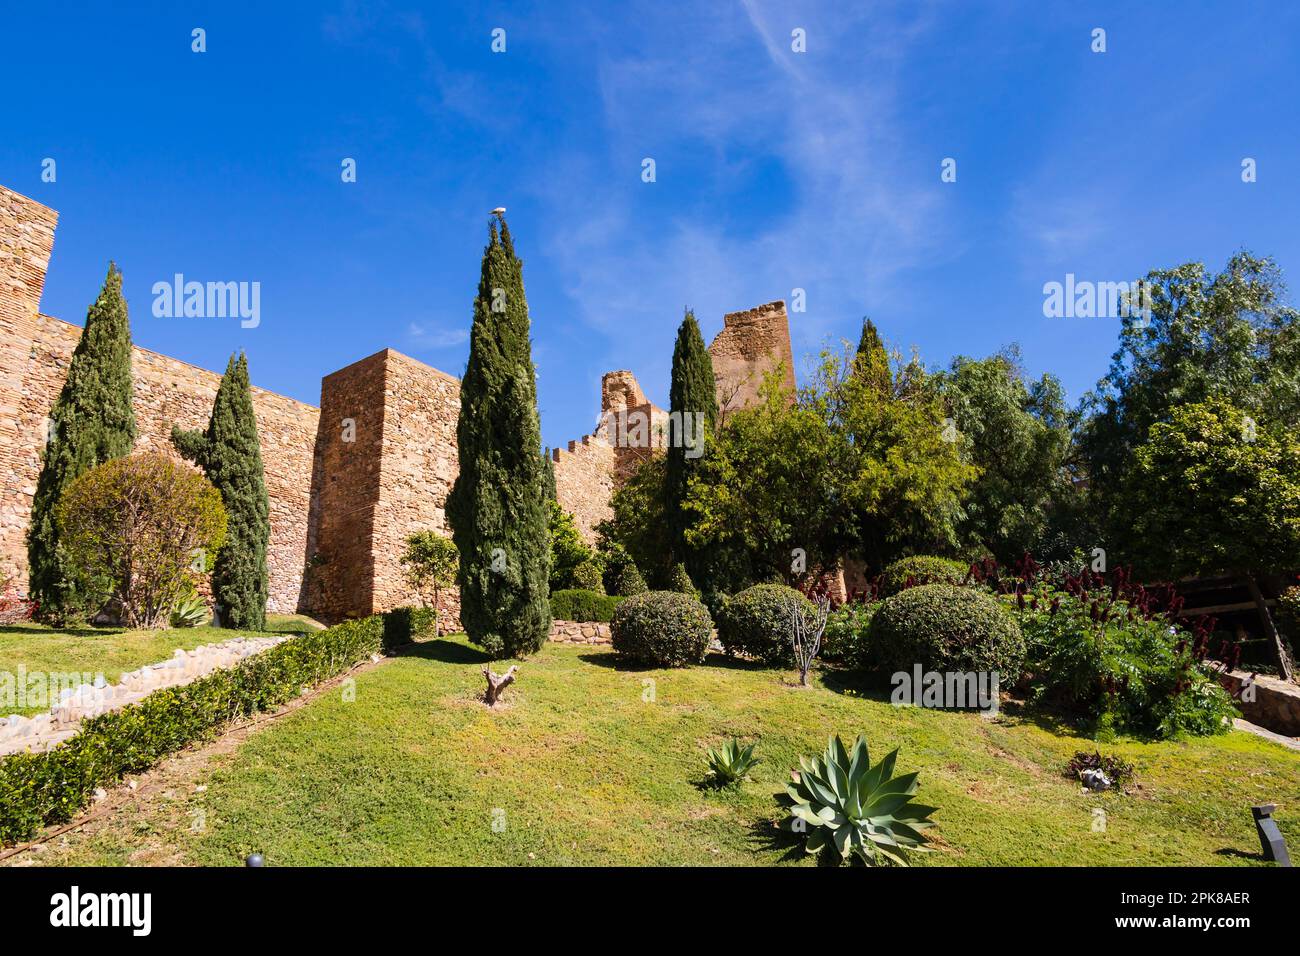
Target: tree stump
(497, 683)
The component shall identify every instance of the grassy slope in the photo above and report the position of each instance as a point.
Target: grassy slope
(110, 651)
(587, 772)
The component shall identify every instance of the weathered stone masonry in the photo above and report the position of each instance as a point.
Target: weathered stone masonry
(347, 481)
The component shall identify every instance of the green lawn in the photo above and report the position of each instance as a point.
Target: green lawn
(580, 769)
(108, 651)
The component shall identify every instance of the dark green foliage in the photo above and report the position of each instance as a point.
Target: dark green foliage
(845, 640)
(756, 623)
(1017, 434)
(638, 523)
(679, 580)
(661, 629)
(430, 564)
(230, 454)
(498, 507)
(946, 628)
(569, 551)
(622, 577)
(587, 577)
(40, 789)
(921, 569)
(1228, 335)
(1105, 663)
(403, 625)
(579, 605)
(692, 400)
(92, 422)
(1288, 616)
(548, 462)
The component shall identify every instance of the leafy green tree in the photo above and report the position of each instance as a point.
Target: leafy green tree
(132, 528)
(498, 507)
(92, 422)
(549, 476)
(568, 550)
(230, 454)
(693, 414)
(430, 563)
(638, 523)
(1017, 435)
(1228, 335)
(1212, 491)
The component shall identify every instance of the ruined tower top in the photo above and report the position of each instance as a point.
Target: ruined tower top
(750, 344)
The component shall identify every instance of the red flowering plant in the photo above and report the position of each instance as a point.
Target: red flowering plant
(1111, 652)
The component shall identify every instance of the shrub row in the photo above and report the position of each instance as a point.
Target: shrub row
(403, 625)
(579, 605)
(40, 789)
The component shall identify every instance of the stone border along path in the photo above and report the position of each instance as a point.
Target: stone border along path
(46, 731)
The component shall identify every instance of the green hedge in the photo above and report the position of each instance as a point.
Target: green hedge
(40, 789)
(756, 622)
(402, 625)
(945, 627)
(577, 605)
(845, 640)
(661, 629)
(921, 569)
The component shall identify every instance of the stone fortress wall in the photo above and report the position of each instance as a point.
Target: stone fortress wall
(347, 480)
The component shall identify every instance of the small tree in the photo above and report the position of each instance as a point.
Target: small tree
(1212, 491)
(136, 529)
(806, 628)
(230, 454)
(568, 550)
(430, 561)
(92, 421)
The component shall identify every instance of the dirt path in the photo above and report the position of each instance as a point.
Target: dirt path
(148, 818)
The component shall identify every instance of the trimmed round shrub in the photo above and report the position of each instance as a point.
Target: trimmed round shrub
(587, 577)
(661, 629)
(756, 622)
(946, 628)
(579, 605)
(921, 569)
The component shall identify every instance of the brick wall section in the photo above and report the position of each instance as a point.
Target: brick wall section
(750, 344)
(26, 242)
(584, 482)
(389, 482)
(34, 354)
(168, 392)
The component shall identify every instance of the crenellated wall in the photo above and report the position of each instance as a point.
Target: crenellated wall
(348, 481)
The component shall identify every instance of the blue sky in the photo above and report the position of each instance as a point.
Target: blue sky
(775, 170)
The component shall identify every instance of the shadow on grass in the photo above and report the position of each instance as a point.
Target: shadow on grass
(447, 652)
(862, 684)
(1241, 854)
(768, 837)
(83, 631)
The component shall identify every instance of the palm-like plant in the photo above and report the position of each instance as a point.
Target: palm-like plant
(842, 801)
(730, 762)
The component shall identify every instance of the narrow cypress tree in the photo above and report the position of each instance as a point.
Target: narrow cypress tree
(230, 454)
(548, 462)
(872, 359)
(692, 394)
(92, 422)
(498, 507)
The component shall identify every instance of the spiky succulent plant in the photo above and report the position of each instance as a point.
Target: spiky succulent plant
(190, 612)
(840, 800)
(730, 762)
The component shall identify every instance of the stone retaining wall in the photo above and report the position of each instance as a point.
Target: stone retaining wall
(579, 632)
(1276, 706)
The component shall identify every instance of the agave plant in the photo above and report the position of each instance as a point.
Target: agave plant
(730, 762)
(841, 800)
(190, 612)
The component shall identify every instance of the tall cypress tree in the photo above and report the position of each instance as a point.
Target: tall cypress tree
(693, 394)
(872, 359)
(230, 454)
(92, 422)
(548, 478)
(498, 507)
